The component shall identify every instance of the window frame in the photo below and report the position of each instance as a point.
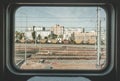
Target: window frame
(110, 14)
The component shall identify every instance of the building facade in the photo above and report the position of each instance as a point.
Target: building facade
(57, 29)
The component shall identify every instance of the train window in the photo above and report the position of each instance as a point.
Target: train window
(53, 40)
(60, 38)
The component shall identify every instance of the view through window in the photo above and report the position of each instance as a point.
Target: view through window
(62, 38)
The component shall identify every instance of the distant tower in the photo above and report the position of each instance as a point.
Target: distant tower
(43, 29)
(33, 28)
(83, 30)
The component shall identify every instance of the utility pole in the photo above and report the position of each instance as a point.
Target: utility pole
(98, 39)
(96, 29)
(25, 43)
(35, 34)
(99, 44)
(35, 37)
(25, 51)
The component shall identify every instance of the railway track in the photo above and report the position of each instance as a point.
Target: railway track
(62, 55)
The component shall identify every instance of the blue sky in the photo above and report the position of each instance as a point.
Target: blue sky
(65, 16)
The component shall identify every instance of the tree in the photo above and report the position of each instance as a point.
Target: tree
(45, 37)
(61, 36)
(33, 35)
(52, 36)
(39, 37)
(19, 35)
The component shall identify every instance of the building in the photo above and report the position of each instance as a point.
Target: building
(43, 33)
(68, 32)
(28, 35)
(57, 29)
(38, 30)
(85, 37)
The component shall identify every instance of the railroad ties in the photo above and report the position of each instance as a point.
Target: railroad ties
(60, 57)
(66, 55)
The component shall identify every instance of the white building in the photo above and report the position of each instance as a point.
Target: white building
(39, 30)
(69, 31)
(43, 33)
(57, 29)
(28, 35)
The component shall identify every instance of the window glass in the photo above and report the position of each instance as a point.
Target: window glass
(60, 38)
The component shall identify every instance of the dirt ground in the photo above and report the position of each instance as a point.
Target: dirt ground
(59, 66)
(75, 57)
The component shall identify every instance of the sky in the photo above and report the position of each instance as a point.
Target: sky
(85, 17)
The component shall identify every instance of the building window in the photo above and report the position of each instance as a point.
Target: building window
(60, 38)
